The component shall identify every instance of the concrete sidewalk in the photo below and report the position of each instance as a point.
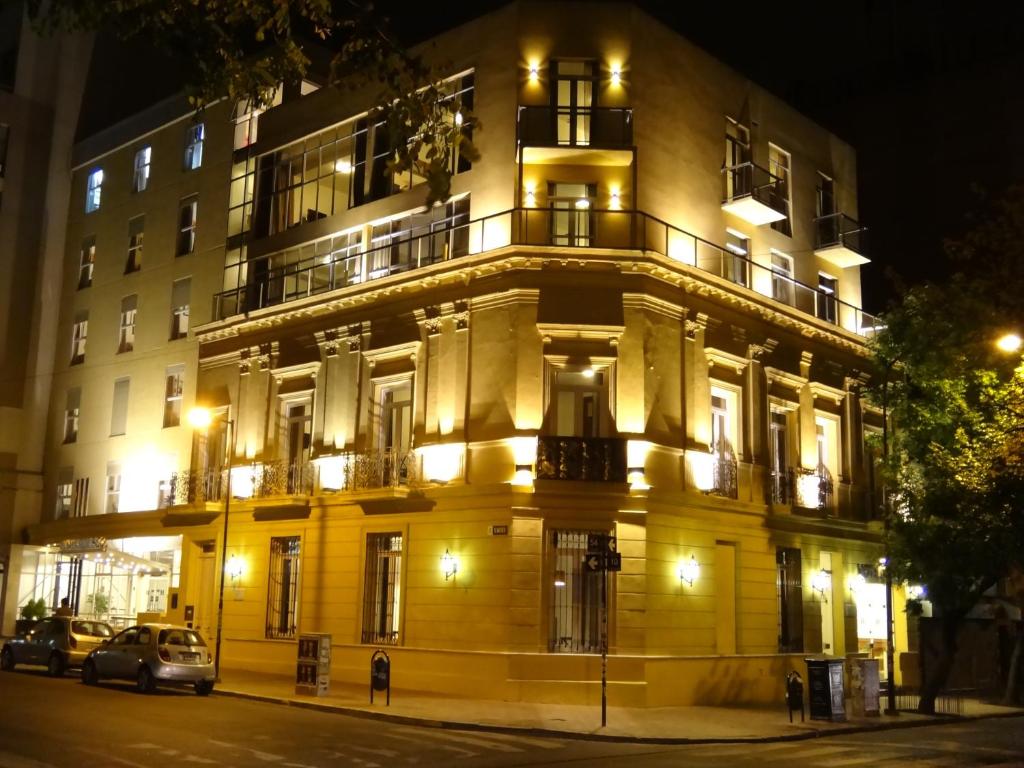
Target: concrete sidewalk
(660, 725)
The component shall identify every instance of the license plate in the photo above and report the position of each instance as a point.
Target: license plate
(188, 656)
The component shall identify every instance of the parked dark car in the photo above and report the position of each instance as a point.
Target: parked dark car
(57, 643)
(151, 655)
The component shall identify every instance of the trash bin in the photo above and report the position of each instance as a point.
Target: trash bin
(825, 687)
(864, 687)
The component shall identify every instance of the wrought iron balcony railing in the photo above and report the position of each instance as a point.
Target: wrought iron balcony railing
(780, 486)
(581, 458)
(369, 470)
(814, 489)
(595, 127)
(724, 475)
(562, 228)
(279, 478)
(750, 180)
(192, 487)
(838, 229)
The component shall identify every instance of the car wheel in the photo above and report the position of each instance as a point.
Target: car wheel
(7, 659)
(204, 687)
(55, 665)
(90, 675)
(145, 683)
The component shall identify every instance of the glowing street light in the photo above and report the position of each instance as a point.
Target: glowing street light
(1010, 342)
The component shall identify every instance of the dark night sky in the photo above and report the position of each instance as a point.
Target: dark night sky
(927, 91)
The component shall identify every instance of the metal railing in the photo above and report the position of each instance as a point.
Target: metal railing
(563, 228)
(838, 229)
(813, 488)
(751, 180)
(581, 458)
(369, 470)
(598, 127)
(724, 475)
(192, 487)
(780, 486)
(279, 478)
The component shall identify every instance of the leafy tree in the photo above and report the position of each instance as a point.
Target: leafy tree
(955, 407)
(243, 50)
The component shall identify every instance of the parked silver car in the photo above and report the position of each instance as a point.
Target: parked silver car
(151, 655)
(57, 643)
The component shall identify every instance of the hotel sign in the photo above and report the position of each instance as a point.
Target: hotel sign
(83, 546)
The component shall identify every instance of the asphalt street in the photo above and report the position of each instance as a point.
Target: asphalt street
(50, 722)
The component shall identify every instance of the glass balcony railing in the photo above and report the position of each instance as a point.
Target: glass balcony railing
(267, 286)
(754, 193)
(839, 230)
(594, 127)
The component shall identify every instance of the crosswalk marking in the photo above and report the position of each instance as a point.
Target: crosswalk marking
(528, 740)
(419, 743)
(471, 740)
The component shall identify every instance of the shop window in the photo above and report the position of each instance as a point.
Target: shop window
(790, 600)
(283, 593)
(576, 595)
(382, 589)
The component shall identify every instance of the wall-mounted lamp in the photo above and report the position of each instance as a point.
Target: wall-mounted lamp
(616, 74)
(559, 578)
(635, 476)
(531, 197)
(917, 592)
(534, 74)
(449, 565)
(857, 582)
(689, 571)
(234, 568)
(821, 582)
(523, 475)
(615, 203)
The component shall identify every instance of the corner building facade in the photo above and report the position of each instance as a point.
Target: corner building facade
(637, 318)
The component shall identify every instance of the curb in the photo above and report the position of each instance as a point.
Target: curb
(425, 722)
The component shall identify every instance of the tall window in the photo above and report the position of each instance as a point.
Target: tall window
(738, 171)
(65, 487)
(86, 262)
(180, 298)
(126, 334)
(119, 407)
(738, 244)
(382, 588)
(113, 500)
(140, 175)
(194, 137)
(187, 213)
(79, 334)
(778, 447)
(571, 215)
(724, 439)
(73, 404)
(580, 402)
(826, 306)
(173, 387)
(419, 239)
(779, 165)
(93, 190)
(782, 277)
(283, 593)
(136, 233)
(573, 94)
(396, 417)
(576, 595)
(790, 600)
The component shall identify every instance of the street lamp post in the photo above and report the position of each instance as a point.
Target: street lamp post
(200, 418)
(890, 654)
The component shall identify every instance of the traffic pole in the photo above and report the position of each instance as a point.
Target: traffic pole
(604, 648)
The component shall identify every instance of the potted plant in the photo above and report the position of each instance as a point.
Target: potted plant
(31, 612)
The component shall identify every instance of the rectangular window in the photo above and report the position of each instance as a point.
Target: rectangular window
(72, 409)
(126, 334)
(780, 166)
(790, 600)
(136, 233)
(382, 589)
(778, 447)
(283, 592)
(738, 244)
(93, 190)
(79, 334)
(194, 137)
(180, 307)
(65, 488)
(187, 213)
(576, 595)
(419, 239)
(573, 94)
(113, 500)
(174, 385)
(571, 213)
(724, 440)
(80, 498)
(782, 277)
(826, 306)
(119, 407)
(86, 262)
(140, 176)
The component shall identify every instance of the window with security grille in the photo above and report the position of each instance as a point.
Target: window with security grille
(382, 588)
(790, 598)
(576, 593)
(283, 593)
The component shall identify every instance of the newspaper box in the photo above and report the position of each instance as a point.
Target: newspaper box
(313, 669)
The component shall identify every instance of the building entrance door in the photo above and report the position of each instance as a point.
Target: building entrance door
(205, 619)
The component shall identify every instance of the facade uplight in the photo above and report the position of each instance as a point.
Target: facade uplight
(344, 166)
(616, 77)
(534, 71)
(821, 582)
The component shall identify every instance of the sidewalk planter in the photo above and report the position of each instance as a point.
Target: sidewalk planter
(825, 687)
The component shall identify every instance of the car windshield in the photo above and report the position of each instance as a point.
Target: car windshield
(180, 637)
(91, 628)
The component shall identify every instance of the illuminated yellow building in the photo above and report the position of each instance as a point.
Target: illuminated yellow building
(637, 316)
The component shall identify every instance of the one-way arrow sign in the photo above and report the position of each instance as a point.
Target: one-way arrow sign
(594, 562)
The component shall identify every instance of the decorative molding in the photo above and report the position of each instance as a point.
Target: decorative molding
(648, 303)
(784, 378)
(825, 392)
(505, 298)
(805, 363)
(405, 351)
(297, 371)
(756, 351)
(725, 359)
(699, 323)
(609, 334)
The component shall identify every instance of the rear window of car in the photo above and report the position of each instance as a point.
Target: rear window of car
(180, 637)
(91, 628)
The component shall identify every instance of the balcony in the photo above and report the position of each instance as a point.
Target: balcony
(543, 227)
(813, 489)
(192, 487)
(724, 472)
(601, 459)
(367, 471)
(780, 486)
(839, 240)
(584, 135)
(753, 194)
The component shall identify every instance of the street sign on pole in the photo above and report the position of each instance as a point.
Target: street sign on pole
(613, 562)
(594, 561)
